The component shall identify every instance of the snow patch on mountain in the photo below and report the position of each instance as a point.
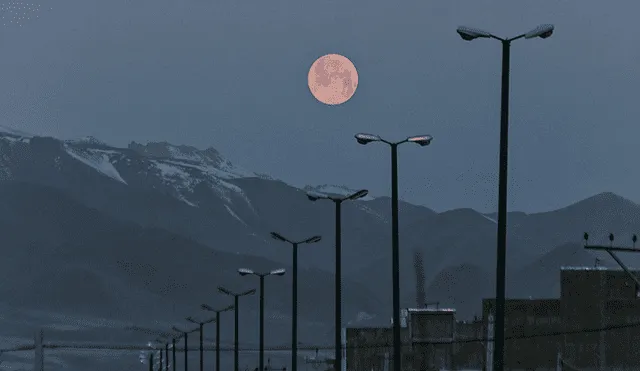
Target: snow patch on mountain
(207, 161)
(14, 132)
(88, 140)
(334, 190)
(184, 176)
(378, 215)
(100, 160)
(490, 219)
(233, 214)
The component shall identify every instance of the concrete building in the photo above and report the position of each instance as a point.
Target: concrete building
(469, 345)
(594, 298)
(539, 331)
(431, 334)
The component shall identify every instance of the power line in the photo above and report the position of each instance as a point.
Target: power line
(124, 347)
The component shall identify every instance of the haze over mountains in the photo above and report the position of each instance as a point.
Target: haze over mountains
(150, 230)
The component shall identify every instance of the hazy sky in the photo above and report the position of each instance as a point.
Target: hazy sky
(232, 74)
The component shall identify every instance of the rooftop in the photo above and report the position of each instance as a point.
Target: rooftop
(431, 310)
(616, 269)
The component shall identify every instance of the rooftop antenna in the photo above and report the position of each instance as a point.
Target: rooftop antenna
(418, 264)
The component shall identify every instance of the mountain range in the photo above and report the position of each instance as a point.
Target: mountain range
(152, 229)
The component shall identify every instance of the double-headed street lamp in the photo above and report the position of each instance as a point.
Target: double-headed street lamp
(275, 272)
(217, 312)
(422, 140)
(185, 335)
(338, 290)
(236, 296)
(294, 300)
(201, 330)
(468, 34)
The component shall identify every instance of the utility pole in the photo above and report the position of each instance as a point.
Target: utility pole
(611, 249)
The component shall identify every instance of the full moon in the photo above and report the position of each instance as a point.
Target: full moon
(333, 79)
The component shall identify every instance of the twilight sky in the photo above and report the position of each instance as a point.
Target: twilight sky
(232, 75)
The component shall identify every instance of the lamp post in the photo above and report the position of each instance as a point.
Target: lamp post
(236, 296)
(164, 341)
(276, 272)
(294, 300)
(217, 312)
(338, 284)
(422, 140)
(160, 360)
(468, 34)
(201, 330)
(173, 354)
(185, 335)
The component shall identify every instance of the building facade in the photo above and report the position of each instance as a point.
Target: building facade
(593, 325)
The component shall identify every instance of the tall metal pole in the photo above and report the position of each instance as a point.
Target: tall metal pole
(201, 346)
(186, 349)
(236, 364)
(294, 311)
(218, 341)
(338, 290)
(498, 357)
(166, 356)
(173, 354)
(261, 322)
(395, 252)
(151, 361)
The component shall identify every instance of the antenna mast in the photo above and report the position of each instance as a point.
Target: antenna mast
(418, 263)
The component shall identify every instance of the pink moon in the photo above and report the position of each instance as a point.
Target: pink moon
(333, 79)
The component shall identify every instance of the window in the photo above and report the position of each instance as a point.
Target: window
(542, 321)
(531, 320)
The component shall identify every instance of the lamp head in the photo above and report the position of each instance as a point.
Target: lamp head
(278, 272)
(422, 140)
(248, 292)
(364, 138)
(468, 33)
(543, 31)
(313, 196)
(360, 194)
(313, 239)
(277, 236)
(245, 271)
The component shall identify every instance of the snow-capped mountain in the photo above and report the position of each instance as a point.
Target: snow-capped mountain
(201, 195)
(178, 168)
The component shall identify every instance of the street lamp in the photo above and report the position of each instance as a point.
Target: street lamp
(200, 329)
(236, 365)
(294, 300)
(185, 334)
(338, 290)
(421, 140)
(468, 34)
(164, 341)
(217, 312)
(276, 272)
